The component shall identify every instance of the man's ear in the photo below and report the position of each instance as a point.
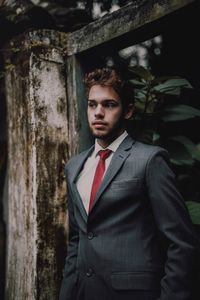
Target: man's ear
(129, 111)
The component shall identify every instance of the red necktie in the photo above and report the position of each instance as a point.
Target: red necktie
(100, 169)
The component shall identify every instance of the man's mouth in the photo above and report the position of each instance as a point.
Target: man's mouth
(99, 124)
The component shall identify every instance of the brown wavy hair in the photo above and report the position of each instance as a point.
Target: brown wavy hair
(111, 77)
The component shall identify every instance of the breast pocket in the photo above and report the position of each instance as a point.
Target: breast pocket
(124, 184)
(126, 188)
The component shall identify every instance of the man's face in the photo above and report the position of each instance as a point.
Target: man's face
(105, 113)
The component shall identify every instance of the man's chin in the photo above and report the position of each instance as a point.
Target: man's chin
(104, 136)
(98, 134)
(101, 136)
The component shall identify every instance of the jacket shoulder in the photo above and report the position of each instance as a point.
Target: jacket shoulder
(146, 151)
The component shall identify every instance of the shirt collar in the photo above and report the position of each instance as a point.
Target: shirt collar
(113, 146)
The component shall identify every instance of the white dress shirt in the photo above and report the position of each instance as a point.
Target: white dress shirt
(85, 178)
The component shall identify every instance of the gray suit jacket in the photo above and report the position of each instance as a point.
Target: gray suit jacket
(138, 241)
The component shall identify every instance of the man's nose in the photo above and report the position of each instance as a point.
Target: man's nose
(99, 111)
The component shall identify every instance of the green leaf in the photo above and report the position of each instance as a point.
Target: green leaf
(172, 86)
(194, 211)
(179, 112)
(174, 91)
(182, 162)
(137, 82)
(176, 117)
(175, 82)
(189, 145)
(179, 154)
(162, 79)
(140, 96)
(141, 72)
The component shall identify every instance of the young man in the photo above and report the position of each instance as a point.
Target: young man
(130, 235)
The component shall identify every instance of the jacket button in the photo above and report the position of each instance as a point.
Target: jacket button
(90, 235)
(89, 272)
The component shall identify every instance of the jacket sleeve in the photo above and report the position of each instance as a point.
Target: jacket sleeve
(173, 221)
(68, 286)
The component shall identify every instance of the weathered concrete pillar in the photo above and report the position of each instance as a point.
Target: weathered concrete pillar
(38, 147)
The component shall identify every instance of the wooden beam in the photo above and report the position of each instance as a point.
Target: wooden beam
(114, 27)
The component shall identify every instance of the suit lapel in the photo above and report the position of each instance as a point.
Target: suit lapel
(77, 169)
(80, 162)
(79, 202)
(116, 163)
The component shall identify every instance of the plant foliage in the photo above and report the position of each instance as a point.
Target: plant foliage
(158, 106)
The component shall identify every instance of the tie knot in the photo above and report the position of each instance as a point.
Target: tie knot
(104, 153)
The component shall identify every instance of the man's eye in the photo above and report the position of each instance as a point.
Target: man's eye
(110, 105)
(91, 104)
